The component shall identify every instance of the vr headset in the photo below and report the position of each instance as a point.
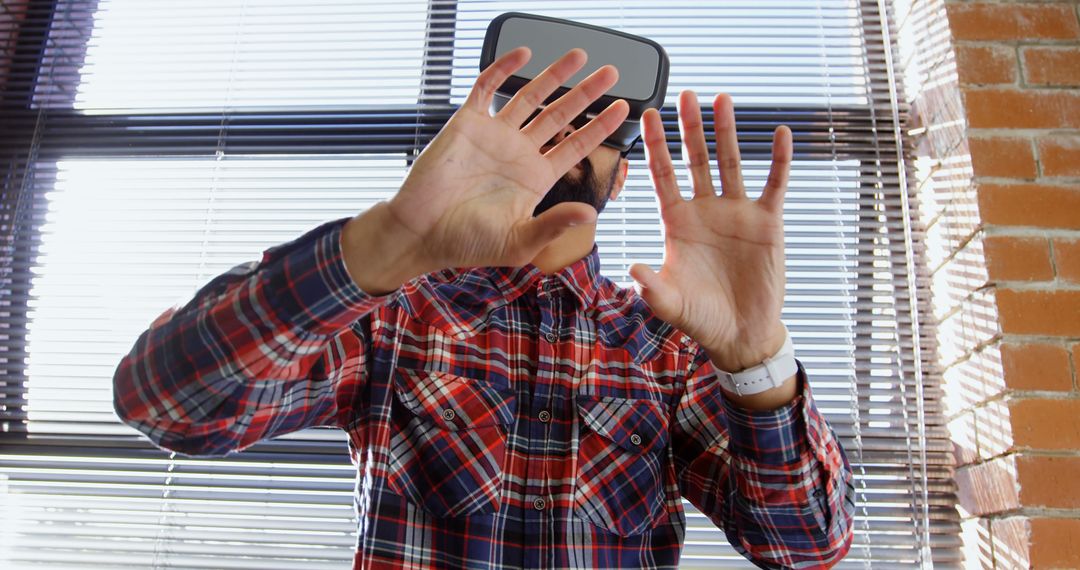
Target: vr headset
(643, 66)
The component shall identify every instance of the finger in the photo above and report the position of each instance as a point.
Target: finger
(659, 160)
(537, 232)
(663, 299)
(578, 145)
(776, 185)
(528, 98)
(727, 148)
(559, 114)
(695, 149)
(491, 78)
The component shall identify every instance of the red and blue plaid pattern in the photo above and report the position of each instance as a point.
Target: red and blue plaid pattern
(446, 451)
(622, 463)
(498, 417)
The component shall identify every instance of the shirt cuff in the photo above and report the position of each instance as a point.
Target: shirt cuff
(774, 437)
(309, 286)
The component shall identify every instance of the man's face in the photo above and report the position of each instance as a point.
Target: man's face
(590, 181)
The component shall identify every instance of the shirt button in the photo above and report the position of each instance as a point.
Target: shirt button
(448, 415)
(539, 504)
(551, 337)
(545, 416)
(635, 439)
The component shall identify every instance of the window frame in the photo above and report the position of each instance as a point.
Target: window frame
(404, 129)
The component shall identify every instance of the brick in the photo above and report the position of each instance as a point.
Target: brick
(1010, 258)
(993, 108)
(1048, 481)
(1041, 423)
(1060, 156)
(989, 487)
(1038, 205)
(950, 194)
(1012, 537)
(986, 65)
(958, 221)
(974, 324)
(1054, 543)
(1002, 157)
(1076, 364)
(962, 435)
(1036, 366)
(1067, 259)
(957, 278)
(977, 550)
(979, 21)
(994, 429)
(975, 380)
(1057, 66)
(1039, 312)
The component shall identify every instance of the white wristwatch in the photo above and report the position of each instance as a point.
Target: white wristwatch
(769, 374)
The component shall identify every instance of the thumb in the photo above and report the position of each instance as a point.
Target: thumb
(539, 231)
(662, 297)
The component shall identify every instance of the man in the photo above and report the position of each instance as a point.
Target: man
(524, 412)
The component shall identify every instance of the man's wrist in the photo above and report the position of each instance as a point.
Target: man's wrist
(380, 255)
(747, 355)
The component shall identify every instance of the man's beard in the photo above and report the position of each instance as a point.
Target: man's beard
(589, 188)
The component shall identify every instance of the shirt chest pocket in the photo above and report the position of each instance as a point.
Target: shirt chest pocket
(622, 455)
(448, 446)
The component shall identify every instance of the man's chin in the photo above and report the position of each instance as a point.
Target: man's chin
(550, 206)
(577, 185)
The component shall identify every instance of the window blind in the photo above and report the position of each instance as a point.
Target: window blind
(150, 145)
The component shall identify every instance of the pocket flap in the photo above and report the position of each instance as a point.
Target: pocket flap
(454, 402)
(633, 424)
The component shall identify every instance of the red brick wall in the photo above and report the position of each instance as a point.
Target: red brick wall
(996, 125)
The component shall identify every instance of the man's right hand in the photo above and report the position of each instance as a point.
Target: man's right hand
(469, 197)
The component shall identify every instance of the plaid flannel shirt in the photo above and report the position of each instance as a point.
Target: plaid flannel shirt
(498, 417)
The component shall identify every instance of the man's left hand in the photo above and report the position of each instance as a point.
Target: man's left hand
(722, 281)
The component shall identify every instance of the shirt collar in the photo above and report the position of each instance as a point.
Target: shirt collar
(581, 278)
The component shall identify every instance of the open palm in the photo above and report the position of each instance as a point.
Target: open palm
(722, 281)
(469, 197)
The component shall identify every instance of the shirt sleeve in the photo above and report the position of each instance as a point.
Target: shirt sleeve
(263, 349)
(776, 482)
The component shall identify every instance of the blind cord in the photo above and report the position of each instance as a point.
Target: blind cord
(853, 386)
(896, 357)
(162, 540)
(925, 553)
(160, 561)
(920, 518)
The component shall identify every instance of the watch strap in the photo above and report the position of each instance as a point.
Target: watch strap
(769, 374)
